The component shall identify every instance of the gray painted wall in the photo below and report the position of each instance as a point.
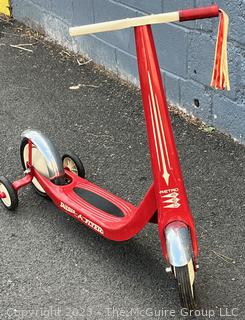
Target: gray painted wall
(186, 51)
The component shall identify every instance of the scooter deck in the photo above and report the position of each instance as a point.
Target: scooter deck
(96, 201)
(102, 211)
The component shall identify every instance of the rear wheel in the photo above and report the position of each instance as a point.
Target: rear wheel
(73, 163)
(10, 201)
(45, 160)
(38, 161)
(185, 277)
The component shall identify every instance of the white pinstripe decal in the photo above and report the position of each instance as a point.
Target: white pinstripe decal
(154, 133)
(164, 138)
(157, 128)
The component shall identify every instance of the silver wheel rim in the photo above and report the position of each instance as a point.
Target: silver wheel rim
(70, 164)
(7, 201)
(38, 162)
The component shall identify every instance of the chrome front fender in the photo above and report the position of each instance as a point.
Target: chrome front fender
(48, 150)
(178, 242)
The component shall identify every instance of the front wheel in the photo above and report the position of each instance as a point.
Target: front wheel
(185, 276)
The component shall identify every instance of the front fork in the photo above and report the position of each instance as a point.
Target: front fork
(175, 222)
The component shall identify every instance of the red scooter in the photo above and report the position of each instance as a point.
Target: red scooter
(63, 178)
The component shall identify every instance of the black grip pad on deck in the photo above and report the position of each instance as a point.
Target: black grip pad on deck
(99, 202)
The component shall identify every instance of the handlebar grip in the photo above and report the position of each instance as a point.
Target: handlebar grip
(199, 13)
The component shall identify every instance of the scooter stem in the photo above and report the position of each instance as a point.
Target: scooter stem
(170, 192)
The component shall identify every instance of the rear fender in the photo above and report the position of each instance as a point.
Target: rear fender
(49, 152)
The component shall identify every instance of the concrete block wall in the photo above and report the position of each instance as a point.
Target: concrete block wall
(186, 51)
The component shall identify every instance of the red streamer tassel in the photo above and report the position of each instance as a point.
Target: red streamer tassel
(220, 78)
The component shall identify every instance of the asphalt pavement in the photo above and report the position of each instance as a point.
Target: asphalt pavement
(52, 267)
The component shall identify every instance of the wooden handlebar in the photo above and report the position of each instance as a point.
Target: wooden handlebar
(183, 15)
(124, 23)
